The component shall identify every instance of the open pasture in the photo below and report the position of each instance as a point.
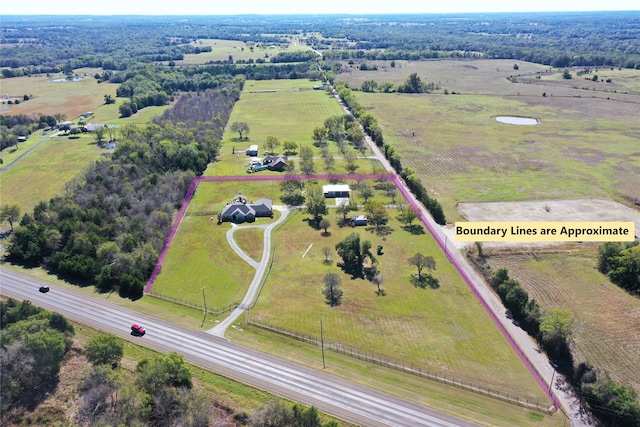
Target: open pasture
(286, 109)
(222, 50)
(582, 147)
(444, 330)
(47, 96)
(45, 171)
(606, 332)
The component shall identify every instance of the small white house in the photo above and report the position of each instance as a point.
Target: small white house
(336, 191)
(252, 151)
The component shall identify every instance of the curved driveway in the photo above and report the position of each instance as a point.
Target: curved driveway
(260, 267)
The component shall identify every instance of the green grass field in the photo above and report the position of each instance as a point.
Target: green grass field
(443, 330)
(286, 109)
(44, 172)
(584, 146)
(238, 50)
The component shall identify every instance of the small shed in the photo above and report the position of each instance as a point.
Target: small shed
(252, 151)
(359, 220)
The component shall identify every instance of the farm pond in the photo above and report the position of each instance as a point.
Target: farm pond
(523, 121)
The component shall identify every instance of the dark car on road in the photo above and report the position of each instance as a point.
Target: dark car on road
(44, 289)
(137, 330)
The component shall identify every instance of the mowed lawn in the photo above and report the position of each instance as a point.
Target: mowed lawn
(200, 255)
(584, 146)
(606, 332)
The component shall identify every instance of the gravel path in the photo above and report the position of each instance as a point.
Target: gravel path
(260, 267)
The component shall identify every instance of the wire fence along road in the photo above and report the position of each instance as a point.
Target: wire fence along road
(342, 398)
(438, 234)
(407, 368)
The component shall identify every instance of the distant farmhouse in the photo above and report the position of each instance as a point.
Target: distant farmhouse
(275, 163)
(240, 210)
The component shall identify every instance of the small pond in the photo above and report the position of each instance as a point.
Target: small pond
(526, 121)
(64, 80)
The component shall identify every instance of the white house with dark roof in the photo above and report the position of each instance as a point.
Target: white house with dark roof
(336, 191)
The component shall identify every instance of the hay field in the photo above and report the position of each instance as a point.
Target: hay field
(607, 319)
(238, 50)
(582, 147)
(50, 97)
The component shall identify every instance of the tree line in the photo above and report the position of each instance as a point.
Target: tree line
(51, 44)
(621, 263)
(612, 403)
(111, 224)
(370, 125)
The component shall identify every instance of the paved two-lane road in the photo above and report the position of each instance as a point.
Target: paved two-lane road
(333, 395)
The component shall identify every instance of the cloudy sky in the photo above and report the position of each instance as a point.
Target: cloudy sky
(231, 7)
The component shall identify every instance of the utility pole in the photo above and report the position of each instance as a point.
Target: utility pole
(205, 306)
(552, 376)
(322, 345)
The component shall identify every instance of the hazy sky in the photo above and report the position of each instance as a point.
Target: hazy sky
(233, 7)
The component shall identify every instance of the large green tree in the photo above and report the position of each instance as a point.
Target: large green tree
(104, 349)
(332, 291)
(271, 144)
(377, 214)
(354, 253)
(316, 203)
(242, 128)
(307, 165)
(9, 213)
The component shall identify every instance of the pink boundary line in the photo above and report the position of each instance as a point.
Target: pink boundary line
(408, 198)
(198, 179)
(534, 372)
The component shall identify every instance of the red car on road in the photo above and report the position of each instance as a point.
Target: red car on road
(137, 330)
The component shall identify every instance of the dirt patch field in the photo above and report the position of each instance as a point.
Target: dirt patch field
(551, 210)
(543, 211)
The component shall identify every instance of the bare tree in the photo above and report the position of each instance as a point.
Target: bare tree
(327, 252)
